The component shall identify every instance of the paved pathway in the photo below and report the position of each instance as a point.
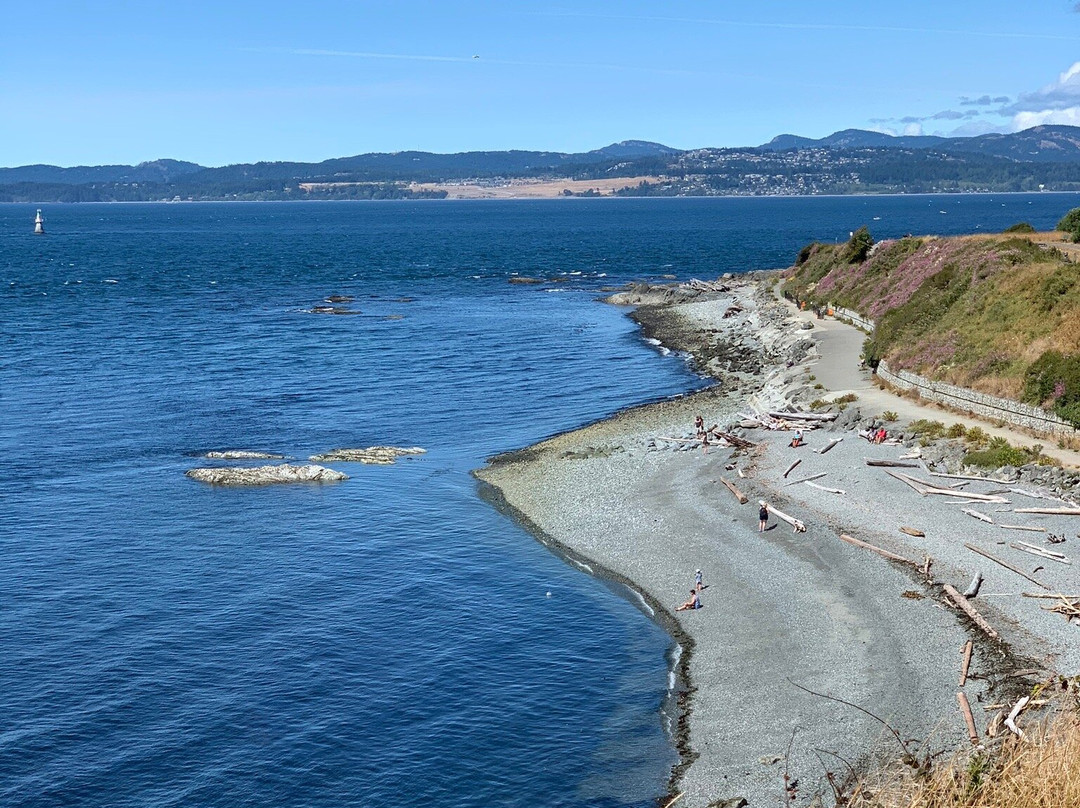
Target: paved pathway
(840, 346)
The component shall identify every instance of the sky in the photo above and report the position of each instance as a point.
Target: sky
(235, 81)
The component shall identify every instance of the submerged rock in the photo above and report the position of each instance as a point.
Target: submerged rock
(240, 454)
(373, 455)
(265, 475)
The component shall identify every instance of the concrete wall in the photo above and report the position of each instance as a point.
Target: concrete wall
(990, 407)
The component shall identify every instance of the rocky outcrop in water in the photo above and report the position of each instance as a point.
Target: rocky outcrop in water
(240, 454)
(266, 475)
(373, 455)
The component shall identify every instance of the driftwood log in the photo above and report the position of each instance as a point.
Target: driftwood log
(969, 719)
(892, 464)
(879, 550)
(1006, 565)
(734, 440)
(792, 467)
(1023, 527)
(823, 488)
(783, 517)
(832, 442)
(982, 517)
(808, 479)
(911, 531)
(1050, 511)
(970, 611)
(804, 416)
(739, 495)
(969, 646)
(1050, 555)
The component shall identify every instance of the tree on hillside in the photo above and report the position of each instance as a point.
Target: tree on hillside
(858, 246)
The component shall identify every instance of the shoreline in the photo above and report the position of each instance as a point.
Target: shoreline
(585, 473)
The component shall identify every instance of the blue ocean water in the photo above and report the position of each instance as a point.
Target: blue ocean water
(389, 639)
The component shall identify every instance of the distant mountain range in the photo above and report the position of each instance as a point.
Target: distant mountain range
(849, 161)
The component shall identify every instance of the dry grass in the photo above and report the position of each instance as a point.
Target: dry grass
(1040, 771)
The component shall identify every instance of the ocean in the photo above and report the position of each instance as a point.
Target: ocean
(391, 639)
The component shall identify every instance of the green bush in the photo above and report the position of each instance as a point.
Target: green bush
(998, 455)
(1070, 222)
(1019, 227)
(977, 436)
(956, 431)
(1055, 377)
(858, 246)
(890, 416)
(930, 430)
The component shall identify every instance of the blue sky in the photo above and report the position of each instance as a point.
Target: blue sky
(239, 81)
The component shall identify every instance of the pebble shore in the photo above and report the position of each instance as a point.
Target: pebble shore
(784, 613)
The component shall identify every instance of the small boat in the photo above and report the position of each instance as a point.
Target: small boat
(39, 224)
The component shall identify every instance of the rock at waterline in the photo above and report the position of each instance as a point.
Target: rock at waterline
(265, 475)
(240, 454)
(373, 455)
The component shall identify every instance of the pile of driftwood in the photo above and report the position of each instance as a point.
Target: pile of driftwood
(689, 441)
(773, 420)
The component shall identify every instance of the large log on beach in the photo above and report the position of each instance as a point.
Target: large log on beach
(1050, 555)
(804, 416)
(739, 495)
(875, 549)
(970, 611)
(792, 467)
(891, 463)
(783, 517)
(817, 476)
(1006, 565)
(823, 488)
(734, 440)
(829, 445)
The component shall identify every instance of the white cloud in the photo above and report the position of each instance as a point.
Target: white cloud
(913, 129)
(1056, 103)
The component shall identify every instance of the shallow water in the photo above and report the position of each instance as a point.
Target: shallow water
(389, 639)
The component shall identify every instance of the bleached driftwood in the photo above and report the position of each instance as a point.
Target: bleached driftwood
(792, 467)
(891, 463)
(1050, 511)
(1006, 565)
(1023, 527)
(739, 495)
(808, 479)
(804, 416)
(823, 488)
(974, 587)
(982, 517)
(1034, 494)
(970, 611)
(783, 517)
(832, 442)
(734, 440)
(922, 489)
(911, 531)
(972, 477)
(875, 549)
(1024, 547)
(1010, 722)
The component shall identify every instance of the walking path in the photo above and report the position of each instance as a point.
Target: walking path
(840, 347)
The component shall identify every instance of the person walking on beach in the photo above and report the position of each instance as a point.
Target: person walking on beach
(697, 581)
(763, 517)
(693, 603)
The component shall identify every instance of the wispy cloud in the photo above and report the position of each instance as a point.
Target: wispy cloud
(481, 60)
(808, 26)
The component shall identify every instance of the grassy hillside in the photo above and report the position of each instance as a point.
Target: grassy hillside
(1000, 314)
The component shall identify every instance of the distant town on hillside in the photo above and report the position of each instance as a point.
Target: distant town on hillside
(852, 161)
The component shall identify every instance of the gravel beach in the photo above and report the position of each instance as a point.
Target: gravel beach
(786, 612)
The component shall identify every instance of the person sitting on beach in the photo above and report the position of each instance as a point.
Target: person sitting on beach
(693, 603)
(763, 517)
(797, 441)
(881, 436)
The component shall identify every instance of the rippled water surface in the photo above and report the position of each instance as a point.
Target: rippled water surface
(386, 640)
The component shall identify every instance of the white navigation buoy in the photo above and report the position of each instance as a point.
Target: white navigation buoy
(39, 224)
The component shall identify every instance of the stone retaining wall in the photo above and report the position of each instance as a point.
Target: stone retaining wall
(986, 406)
(856, 319)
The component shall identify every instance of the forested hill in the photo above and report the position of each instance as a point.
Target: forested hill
(851, 161)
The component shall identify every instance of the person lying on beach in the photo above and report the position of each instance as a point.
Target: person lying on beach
(693, 603)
